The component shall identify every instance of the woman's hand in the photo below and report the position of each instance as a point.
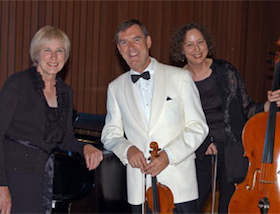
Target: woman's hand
(211, 150)
(272, 96)
(93, 156)
(5, 200)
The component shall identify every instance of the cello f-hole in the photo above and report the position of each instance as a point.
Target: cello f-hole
(254, 180)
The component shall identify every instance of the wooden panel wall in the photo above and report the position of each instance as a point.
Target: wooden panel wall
(244, 33)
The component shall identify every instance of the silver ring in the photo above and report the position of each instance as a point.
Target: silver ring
(135, 163)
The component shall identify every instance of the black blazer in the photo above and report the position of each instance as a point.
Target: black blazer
(23, 116)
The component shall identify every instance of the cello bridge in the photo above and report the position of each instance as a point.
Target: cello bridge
(267, 182)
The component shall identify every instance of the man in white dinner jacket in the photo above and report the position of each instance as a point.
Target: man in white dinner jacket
(161, 105)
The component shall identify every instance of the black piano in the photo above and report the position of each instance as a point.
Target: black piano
(77, 190)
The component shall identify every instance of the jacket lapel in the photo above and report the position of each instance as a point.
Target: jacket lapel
(159, 94)
(133, 103)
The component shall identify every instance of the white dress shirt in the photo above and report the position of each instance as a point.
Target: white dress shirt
(144, 90)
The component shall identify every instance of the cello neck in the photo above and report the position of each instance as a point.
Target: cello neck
(270, 130)
(276, 75)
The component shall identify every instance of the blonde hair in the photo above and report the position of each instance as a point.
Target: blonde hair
(44, 35)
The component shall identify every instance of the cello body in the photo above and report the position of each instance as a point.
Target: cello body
(263, 179)
(260, 191)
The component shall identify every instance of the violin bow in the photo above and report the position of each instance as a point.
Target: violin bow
(214, 177)
(144, 210)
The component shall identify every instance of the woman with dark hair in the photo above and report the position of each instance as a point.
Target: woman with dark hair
(36, 117)
(227, 107)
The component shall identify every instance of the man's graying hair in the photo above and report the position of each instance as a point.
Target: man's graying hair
(127, 24)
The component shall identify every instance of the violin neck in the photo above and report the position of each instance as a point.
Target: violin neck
(156, 208)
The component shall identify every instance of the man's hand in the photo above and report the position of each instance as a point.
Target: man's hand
(5, 200)
(93, 156)
(136, 158)
(157, 164)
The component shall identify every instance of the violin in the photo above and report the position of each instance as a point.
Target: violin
(159, 196)
(260, 191)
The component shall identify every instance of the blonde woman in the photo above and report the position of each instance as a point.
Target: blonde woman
(36, 117)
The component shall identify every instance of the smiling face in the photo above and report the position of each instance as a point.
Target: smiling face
(195, 47)
(134, 48)
(51, 58)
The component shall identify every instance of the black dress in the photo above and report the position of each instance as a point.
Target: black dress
(212, 106)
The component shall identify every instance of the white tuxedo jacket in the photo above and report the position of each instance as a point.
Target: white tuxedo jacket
(177, 123)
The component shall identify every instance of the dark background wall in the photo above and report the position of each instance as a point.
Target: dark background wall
(244, 33)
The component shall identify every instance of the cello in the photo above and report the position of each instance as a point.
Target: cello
(260, 191)
(159, 196)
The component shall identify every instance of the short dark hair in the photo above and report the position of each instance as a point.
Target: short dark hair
(127, 24)
(178, 39)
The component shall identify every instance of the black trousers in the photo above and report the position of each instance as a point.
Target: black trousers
(187, 207)
(26, 192)
(204, 177)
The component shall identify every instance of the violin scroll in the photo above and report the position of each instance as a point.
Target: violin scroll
(155, 149)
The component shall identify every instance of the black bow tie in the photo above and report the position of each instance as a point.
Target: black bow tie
(145, 75)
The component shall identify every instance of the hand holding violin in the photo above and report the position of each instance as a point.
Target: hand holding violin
(157, 164)
(136, 158)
